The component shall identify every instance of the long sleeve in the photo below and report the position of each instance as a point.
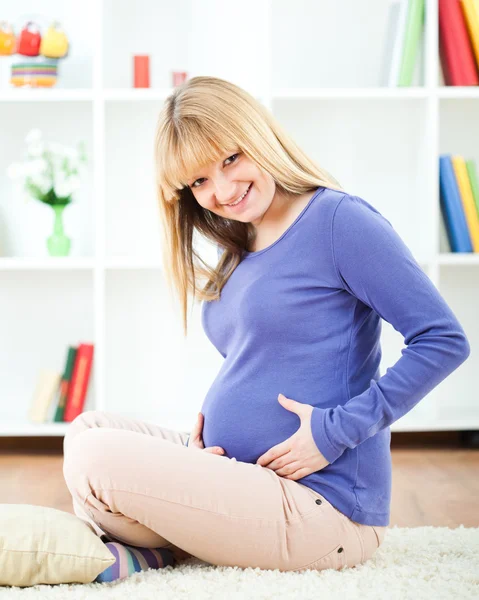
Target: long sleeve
(374, 265)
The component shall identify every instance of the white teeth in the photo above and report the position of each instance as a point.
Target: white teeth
(239, 199)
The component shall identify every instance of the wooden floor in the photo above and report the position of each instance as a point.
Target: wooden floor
(435, 480)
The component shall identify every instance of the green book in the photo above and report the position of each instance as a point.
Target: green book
(414, 31)
(64, 384)
(472, 173)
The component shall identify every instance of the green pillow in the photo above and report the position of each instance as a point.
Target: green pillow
(41, 545)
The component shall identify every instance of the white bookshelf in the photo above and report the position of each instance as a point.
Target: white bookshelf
(319, 73)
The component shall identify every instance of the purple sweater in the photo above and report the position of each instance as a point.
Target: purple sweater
(303, 317)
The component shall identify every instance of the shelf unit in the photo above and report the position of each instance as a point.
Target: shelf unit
(323, 85)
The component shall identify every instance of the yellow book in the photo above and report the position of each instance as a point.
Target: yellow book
(470, 10)
(47, 382)
(467, 199)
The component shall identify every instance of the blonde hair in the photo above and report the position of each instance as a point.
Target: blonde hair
(199, 122)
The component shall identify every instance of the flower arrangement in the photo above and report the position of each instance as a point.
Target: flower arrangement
(50, 173)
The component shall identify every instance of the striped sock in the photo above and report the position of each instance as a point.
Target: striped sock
(130, 559)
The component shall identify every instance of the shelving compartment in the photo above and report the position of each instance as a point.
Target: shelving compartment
(25, 222)
(211, 37)
(75, 71)
(43, 313)
(323, 44)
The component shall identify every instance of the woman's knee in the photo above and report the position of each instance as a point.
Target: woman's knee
(76, 454)
(82, 422)
(82, 446)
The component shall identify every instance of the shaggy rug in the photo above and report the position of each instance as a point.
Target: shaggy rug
(417, 563)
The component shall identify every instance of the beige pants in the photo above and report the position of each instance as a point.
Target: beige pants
(139, 484)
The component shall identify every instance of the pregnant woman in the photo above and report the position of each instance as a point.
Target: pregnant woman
(288, 466)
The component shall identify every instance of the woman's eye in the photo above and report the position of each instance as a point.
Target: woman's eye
(232, 156)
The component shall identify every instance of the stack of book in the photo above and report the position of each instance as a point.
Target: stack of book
(61, 397)
(459, 193)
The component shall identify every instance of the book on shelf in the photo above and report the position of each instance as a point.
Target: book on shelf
(65, 384)
(459, 200)
(444, 244)
(404, 43)
(77, 390)
(459, 41)
(61, 397)
(46, 386)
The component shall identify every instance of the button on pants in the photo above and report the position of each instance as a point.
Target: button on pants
(138, 483)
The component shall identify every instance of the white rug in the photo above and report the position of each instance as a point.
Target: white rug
(417, 563)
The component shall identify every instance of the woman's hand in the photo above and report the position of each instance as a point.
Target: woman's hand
(297, 456)
(196, 438)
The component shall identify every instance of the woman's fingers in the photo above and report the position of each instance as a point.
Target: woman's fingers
(198, 443)
(214, 450)
(196, 438)
(195, 434)
(198, 426)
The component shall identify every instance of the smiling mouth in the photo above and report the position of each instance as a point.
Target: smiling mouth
(238, 202)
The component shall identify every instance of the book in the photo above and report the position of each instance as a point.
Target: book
(53, 404)
(467, 199)
(472, 173)
(399, 16)
(452, 208)
(77, 389)
(413, 36)
(444, 245)
(389, 44)
(65, 383)
(457, 58)
(470, 9)
(47, 383)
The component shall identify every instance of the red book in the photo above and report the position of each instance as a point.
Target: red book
(79, 382)
(457, 57)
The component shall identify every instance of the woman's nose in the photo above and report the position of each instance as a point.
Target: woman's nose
(225, 192)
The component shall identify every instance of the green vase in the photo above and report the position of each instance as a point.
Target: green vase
(58, 243)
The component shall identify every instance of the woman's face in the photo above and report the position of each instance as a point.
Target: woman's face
(219, 185)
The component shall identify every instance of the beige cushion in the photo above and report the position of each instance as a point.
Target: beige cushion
(45, 545)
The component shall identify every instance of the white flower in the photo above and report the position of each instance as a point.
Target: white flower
(16, 170)
(41, 182)
(36, 149)
(35, 167)
(62, 186)
(49, 167)
(33, 136)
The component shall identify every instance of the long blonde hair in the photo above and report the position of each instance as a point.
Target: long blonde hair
(201, 120)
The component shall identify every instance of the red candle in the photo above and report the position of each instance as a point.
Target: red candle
(141, 71)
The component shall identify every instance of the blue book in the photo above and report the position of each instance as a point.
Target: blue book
(451, 206)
